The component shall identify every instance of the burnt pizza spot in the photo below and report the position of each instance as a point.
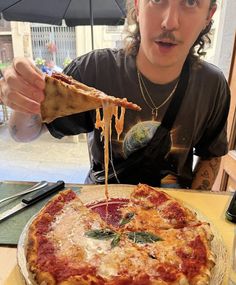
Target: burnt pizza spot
(59, 76)
(56, 107)
(151, 255)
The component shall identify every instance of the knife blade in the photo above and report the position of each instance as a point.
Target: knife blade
(27, 191)
(33, 198)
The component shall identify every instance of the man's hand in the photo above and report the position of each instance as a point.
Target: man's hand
(22, 86)
(21, 89)
(205, 173)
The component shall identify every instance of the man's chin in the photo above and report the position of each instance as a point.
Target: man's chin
(165, 62)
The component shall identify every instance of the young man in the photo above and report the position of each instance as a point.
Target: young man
(164, 33)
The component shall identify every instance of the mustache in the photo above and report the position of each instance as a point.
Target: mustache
(167, 35)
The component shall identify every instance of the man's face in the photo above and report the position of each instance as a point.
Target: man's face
(169, 28)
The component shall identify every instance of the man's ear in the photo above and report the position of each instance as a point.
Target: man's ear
(136, 5)
(211, 13)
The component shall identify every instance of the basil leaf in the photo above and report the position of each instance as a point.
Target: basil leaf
(126, 219)
(115, 241)
(143, 237)
(103, 234)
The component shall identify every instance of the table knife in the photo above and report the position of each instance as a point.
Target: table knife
(33, 198)
(27, 191)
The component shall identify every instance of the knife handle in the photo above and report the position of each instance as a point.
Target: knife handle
(44, 192)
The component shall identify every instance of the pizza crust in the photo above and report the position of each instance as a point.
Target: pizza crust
(65, 96)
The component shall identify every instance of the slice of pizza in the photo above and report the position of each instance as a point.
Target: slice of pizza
(65, 96)
(58, 249)
(182, 256)
(154, 209)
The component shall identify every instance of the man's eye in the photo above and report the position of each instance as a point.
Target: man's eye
(156, 1)
(191, 3)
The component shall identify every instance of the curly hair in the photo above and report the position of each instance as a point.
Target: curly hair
(132, 40)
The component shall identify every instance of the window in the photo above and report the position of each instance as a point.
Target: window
(114, 29)
(6, 50)
(53, 43)
(5, 26)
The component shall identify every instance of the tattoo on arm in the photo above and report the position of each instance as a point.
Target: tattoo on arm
(206, 173)
(205, 185)
(13, 130)
(35, 119)
(26, 129)
(214, 165)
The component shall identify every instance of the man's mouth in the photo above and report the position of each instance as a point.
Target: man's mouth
(165, 44)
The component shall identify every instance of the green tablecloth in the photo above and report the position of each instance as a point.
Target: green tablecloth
(11, 228)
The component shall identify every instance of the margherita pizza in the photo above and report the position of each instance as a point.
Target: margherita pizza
(157, 241)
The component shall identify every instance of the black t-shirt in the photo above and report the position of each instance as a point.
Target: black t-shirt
(198, 127)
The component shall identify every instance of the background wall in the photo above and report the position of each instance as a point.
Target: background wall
(224, 38)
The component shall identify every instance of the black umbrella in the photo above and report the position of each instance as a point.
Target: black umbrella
(74, 12)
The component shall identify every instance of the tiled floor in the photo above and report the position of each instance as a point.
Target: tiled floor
(46, 158)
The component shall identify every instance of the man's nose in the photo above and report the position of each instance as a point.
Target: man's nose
(171, 18)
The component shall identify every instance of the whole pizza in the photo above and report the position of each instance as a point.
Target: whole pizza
(156, 241)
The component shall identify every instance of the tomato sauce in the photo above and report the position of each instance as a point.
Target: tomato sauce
(175, 212)
(193, 262)
(158, 199)
(59, 76)
(167, 272)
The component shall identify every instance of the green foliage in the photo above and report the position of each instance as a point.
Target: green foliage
(39, 61)
(4, 65)
(67, 61)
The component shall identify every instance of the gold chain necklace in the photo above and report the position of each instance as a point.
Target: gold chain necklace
(153, 107)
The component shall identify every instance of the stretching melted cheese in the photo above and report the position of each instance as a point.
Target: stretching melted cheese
(109, 110)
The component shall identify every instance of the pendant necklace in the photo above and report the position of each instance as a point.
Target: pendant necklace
(151, 104)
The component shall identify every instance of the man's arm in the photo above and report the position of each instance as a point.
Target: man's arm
(25, 127)
(22, 126)
(205, 173)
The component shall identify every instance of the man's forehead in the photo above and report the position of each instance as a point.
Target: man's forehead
(211, 1)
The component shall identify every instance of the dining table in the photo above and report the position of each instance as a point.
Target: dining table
(208, 204)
